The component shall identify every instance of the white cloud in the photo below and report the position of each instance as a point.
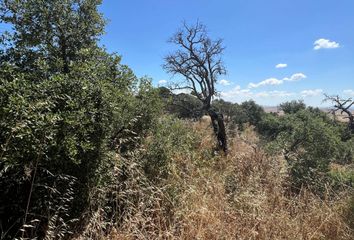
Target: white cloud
(269, 81)
(237, 92)
(273, 97)
(224, 82)
(311, 92)
(274, 94)
(179, 91)
(325, 43)
(275, 81)
(162, 82)
(295, 77)
(349, 92)
(281, 65)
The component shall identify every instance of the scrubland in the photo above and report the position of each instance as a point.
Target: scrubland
(207, 195)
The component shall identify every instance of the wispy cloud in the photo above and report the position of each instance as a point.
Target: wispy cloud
(162, 82)
(295, 77)
(311, 92)
(274, 94)
(224, 82)
(349, 92)
(281, 65)
(179, 91)
(275, 81)
(273, 97)
(248, 93)
(269, 81)
(237, 91)
(325, 43)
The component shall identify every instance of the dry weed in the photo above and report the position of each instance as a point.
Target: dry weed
(241, 196)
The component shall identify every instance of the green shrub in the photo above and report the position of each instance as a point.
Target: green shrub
(271, 126)
(253, 111)
(292, 107)
(65, 125)
(309, 145)
(237, 115)
(169, 137)
(182, 105)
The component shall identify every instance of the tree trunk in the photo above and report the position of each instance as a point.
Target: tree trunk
(217, 121)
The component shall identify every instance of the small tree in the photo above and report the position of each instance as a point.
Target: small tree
(198, 60)
(343, 105)
(292, 106)
(53, 31)
(253, 111)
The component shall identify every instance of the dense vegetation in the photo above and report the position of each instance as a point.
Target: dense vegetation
(90, 151)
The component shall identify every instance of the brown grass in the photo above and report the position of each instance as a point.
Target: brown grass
(241, 196)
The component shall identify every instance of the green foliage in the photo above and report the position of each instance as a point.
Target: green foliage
(239, 114)
(254, 112)
(292, 107)
(271, 126)
(309, 145)
(228, 109)
(310, 140)
(76, 123)
(54, 30)
(182, 105)
(346, 149)
(63, 125)
(55, 126)
(65, 106)
(342, 177)
(169, 137)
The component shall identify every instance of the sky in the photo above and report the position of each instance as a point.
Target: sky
(276, 50)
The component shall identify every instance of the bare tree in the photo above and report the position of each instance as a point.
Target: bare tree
(343, 105)
(198, 60)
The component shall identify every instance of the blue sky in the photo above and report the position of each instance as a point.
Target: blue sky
(276, 50)
(258, 35)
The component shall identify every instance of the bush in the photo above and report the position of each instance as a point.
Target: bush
(253, 111)
(239, 115)
(169, 137)
(309, 145)
(185, 106)
(60, 130)
(271, 126)
(49, 129)
(292, 107)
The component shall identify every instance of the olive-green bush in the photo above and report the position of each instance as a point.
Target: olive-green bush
(309, 141)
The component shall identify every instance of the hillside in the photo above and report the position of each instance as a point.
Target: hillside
(240, 196)
(90, 150)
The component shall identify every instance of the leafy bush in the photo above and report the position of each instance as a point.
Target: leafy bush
(254, 112)
(309, 145)
(182, 105)
(54, 127)
(292, 107)
(64, 127)
(237, 115)
(271, 126)
(170, 136)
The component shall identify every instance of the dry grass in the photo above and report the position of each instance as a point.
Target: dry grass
(241, 196)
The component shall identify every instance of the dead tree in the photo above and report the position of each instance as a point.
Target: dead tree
(343, 105)
(198, 60)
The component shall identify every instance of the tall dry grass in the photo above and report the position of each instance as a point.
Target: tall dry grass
(239, 196)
